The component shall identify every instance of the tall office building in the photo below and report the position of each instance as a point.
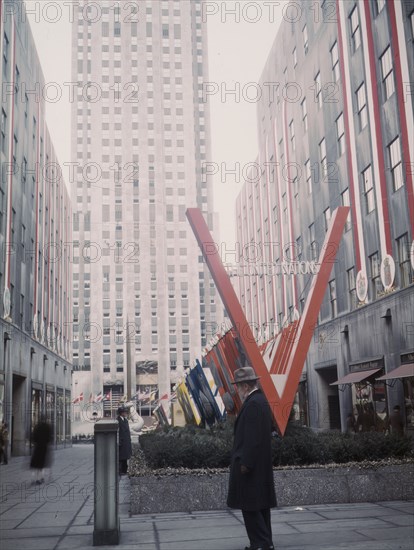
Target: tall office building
(143, 302)
(35, 232)
(335, 127)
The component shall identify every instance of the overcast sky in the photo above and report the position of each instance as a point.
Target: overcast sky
(239, 43)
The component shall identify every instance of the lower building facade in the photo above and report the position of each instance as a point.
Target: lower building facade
(371, 342)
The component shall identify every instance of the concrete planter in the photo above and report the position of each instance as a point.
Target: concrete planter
(296, 487)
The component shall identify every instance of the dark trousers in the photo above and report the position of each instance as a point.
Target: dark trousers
(258, 527)
(123, 466)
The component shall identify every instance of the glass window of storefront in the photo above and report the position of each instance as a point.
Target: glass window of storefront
(60, 415)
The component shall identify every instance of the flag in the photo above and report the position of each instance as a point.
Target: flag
(107, 396)
(165, 396)
(99, 397)
(78, 399)
(91, 397)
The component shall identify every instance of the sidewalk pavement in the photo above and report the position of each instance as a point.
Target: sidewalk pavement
(58, 515)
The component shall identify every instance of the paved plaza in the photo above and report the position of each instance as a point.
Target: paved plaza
(58, 515)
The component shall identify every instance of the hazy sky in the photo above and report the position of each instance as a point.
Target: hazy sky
(239, 43)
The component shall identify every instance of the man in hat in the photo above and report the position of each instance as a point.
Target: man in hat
(124, 443)
(251, 486)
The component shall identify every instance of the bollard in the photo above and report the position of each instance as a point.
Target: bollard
(106, 516)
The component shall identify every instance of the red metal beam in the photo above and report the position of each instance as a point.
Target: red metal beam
(280, 404)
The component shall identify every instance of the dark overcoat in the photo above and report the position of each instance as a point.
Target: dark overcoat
(42, 436)
(254, 490)
(125, 447)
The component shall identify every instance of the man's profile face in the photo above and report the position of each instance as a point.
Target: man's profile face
(243, 390)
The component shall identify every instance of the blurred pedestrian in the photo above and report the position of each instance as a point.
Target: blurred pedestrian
(251, 486)
(41, 460)
(4, 443)
(351, 426)
(396, 422)
(125, 446)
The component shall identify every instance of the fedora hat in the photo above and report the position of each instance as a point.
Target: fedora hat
(245, 374)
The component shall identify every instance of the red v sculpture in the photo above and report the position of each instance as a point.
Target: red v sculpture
(280, 379)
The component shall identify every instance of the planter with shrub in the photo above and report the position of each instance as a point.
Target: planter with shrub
(182, 469)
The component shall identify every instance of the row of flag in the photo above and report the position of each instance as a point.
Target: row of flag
(93, 399)
(144, 397)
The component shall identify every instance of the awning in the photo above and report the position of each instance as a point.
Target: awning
(355, 377)
(404, 371)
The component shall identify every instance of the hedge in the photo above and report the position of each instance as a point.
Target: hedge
(193, 447)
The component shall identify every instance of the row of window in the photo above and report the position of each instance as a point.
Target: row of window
(404, 272)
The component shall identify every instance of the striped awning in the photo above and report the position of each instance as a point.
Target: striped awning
(355, 377)
(404, 371)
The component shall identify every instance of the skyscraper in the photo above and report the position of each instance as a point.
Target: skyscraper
(140, 135)
(336, 130)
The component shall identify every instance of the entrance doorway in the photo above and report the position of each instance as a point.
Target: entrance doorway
(328, 397)
(18, 423)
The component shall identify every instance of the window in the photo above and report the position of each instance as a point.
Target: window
(24, 171)
(3, 125)
(345, 202)
(2, 208)
(404, 260)
(296, 192)
(395, 164)
(292, 135)
(313, 243)
(387, 73)
(340, 133)
(362, 106)
(275, 214)
(15, 145)
(412, 24)
(352, 288)
(379, 4)
(326, 218)
(322, 156)
(304, 114)
(305, 39)
(318, 90)
(5, 51)
(375, 275)
(368, 189)
(335, 61)
(16, 82)
(332, 298)
(355, 29)
(23, 237)
(308, 176)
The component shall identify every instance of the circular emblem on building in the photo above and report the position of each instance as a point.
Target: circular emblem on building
(6, 302)
(412, 254)
(361, 285)
(387, 271)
